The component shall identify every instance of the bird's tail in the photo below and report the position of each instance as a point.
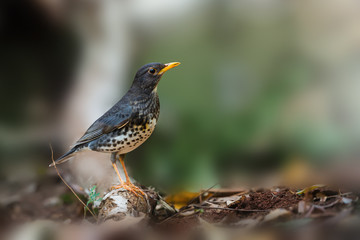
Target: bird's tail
(65, 157)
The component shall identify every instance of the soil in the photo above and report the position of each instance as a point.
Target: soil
(50, 199)
(255, 204)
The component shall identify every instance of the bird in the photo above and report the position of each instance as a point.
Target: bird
(126, 125)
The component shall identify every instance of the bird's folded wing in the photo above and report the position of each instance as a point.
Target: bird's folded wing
(112, 119)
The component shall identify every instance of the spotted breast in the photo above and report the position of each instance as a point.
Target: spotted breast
(126, 139)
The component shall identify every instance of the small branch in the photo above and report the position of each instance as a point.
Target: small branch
(201, 193)
(329, 205)
(62, 179)
(231, 209)
(321, 208)
(191, 201)
(207, 207)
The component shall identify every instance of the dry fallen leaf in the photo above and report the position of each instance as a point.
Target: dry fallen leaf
(226, 201)
(247, 223)
(302, 207)
(277, 213)
(311, 188)
(181, 199)
(228, 190)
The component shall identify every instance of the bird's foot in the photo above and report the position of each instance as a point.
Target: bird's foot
(135, 188)
(131, 188)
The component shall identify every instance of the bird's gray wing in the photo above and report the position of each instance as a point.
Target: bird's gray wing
(116, 117)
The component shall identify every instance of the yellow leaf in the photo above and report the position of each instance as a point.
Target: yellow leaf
(181, 199)
(308, 189)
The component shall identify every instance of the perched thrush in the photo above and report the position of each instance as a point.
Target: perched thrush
(128, 124)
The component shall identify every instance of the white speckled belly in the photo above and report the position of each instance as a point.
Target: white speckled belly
(126, 139)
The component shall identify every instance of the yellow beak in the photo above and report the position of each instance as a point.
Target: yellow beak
(168, 66)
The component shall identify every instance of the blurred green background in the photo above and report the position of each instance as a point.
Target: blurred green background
(261, 82)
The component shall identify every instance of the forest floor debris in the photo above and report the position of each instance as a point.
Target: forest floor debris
(225, 212)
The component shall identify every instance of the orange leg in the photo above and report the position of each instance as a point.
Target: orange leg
(123, 165)
(122, 183)
(128, 182)
(126, 185)
(117, 172)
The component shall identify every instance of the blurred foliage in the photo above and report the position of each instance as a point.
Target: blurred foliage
(256, 87)
(213, 108)
(223, 108)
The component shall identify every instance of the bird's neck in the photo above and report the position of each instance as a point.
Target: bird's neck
(143, 97)
(145, 104)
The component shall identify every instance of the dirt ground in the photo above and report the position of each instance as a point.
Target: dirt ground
(227, 212)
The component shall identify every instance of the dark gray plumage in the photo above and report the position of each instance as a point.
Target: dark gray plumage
(130, 121)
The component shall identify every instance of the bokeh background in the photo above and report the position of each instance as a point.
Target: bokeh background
(265, 88)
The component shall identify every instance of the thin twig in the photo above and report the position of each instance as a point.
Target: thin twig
(231, 209)
(339, 195)
(201, 193)
(328, 205)
(62, 179)
(172, 216)
(189, 203)
(320, 207)
(207, 207)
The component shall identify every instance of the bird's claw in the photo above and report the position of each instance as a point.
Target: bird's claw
(131, 188)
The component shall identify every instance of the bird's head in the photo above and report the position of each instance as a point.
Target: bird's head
(148, 76)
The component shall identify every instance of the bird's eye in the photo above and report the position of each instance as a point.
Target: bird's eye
(152, 70)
